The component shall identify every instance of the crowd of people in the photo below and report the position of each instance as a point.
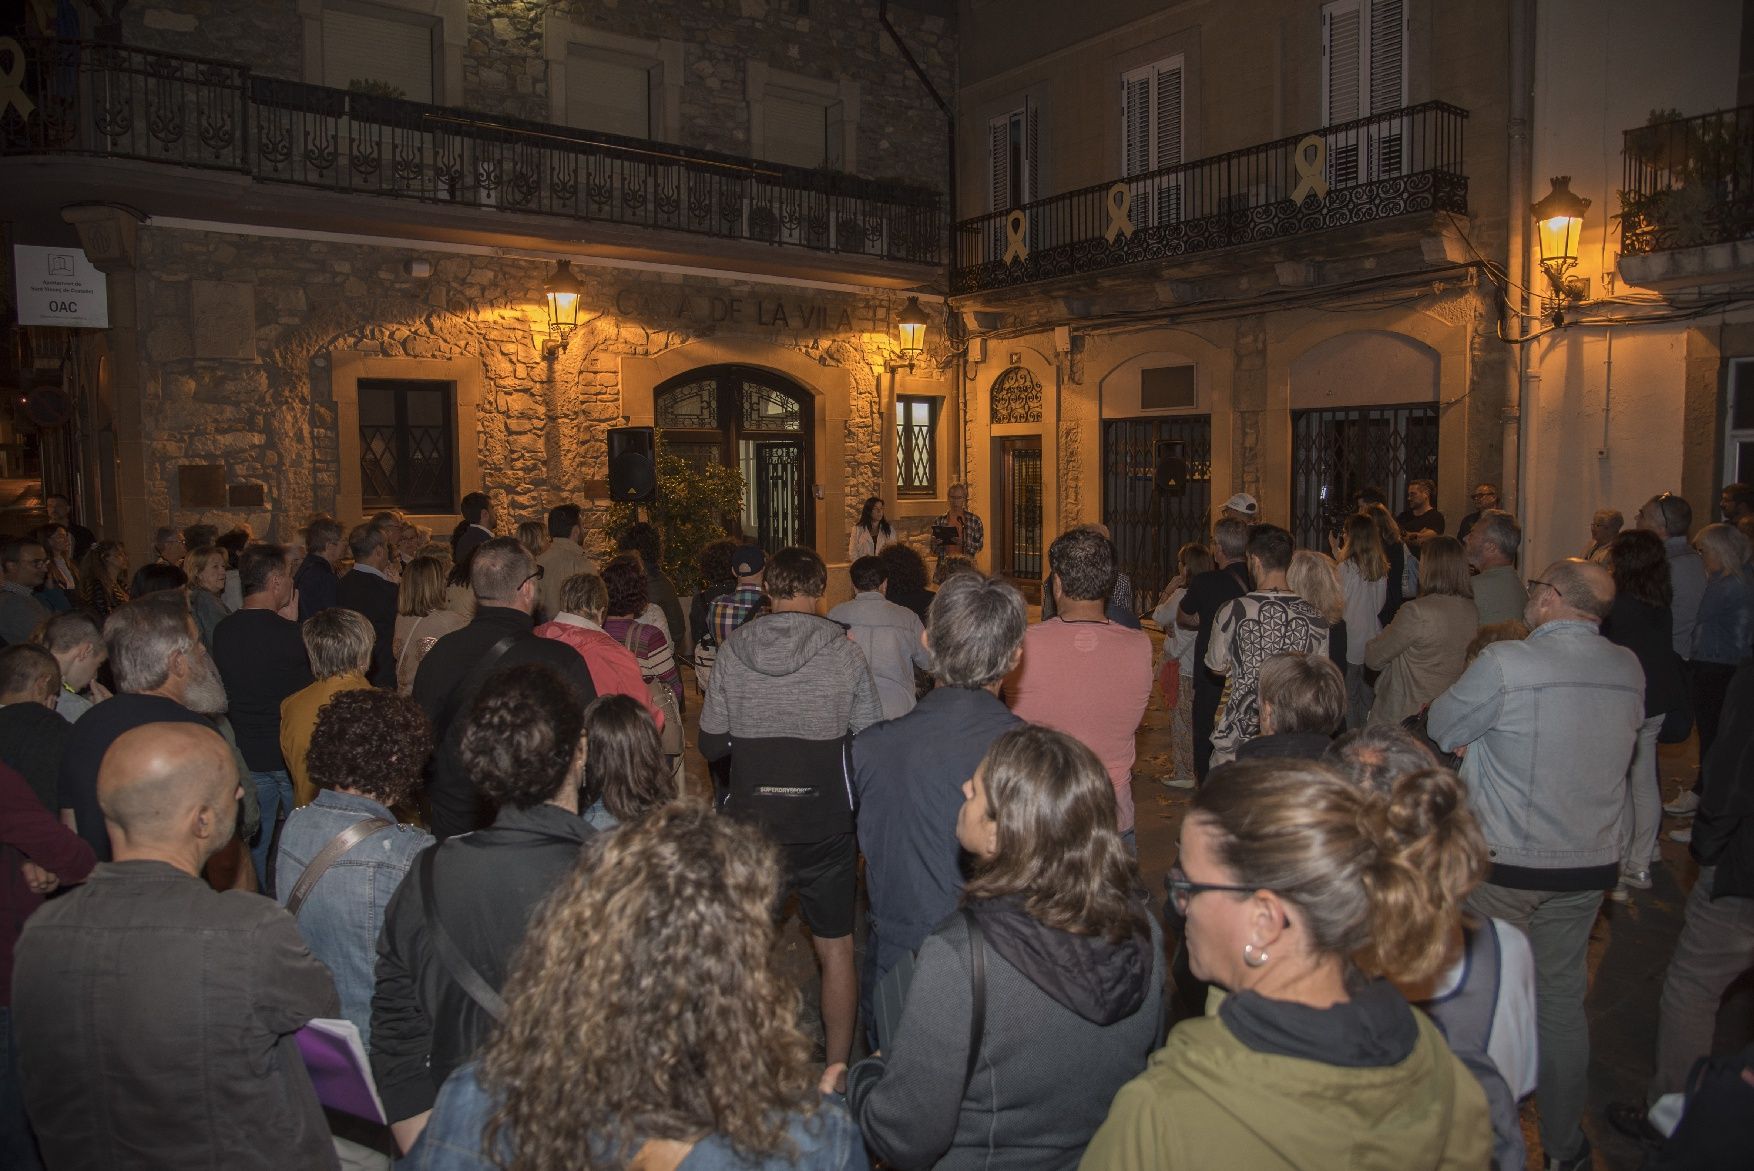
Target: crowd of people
(434, 792)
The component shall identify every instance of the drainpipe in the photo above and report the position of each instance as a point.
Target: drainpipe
(952, 319)
(1521, 165)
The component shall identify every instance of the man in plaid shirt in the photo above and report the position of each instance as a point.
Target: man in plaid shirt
(737, 607)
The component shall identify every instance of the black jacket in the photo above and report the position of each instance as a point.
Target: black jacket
(156, 1017)
(446, 685)
(317, 586)
(1723, 830)
(487, 885)
(33, 739)
(375, 597)
(1645, 630)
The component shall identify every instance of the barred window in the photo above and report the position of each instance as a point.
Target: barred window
(916, 445)
(407, 443)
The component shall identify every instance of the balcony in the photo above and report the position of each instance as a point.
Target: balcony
(1687, 207)
(114, 102)
(1408, 160)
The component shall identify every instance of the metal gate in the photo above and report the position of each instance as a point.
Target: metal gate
(1336, 453)
(1023, 539)
(1149, 524)
(779, 493)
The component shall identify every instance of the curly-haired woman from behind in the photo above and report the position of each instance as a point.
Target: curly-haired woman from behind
(1071, 977)
(648, 1025)
(523, 744)
(1304, 894)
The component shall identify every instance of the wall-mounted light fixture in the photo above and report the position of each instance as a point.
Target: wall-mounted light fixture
(911, 323)
(1559, 224)
(562, 289)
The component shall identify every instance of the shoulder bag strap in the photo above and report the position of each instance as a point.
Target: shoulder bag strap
(475, 674)
(338, 845)
(409, 641)
(453, 960)
(977, 976)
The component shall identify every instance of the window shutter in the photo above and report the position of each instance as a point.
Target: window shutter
(608, 95)
(1342, 60)
(1031, 151)
(796, 130)
(836, 127)
(397, 53)
(1169, 117)
(1388, 55)
(1136, 122)
(999, 161)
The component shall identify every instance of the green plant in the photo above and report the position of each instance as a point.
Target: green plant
(695, 505)
(371, 87)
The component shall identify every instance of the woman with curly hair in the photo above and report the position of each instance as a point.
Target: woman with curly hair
(647, 1022)
(366, 756)
(636, 624)
(101, 575)
(1304, 896)
(523, 744)
(625, 763)
(1072, 977)
(907, 578)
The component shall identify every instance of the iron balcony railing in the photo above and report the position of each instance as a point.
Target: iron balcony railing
(1407, 160)
(121, 102)
(1689, 182)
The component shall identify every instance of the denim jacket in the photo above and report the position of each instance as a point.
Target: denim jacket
(825, 1141)
(341, 917)
(1726, 620)
(1549, 724)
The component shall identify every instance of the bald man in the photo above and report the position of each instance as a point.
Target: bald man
(185, 998)
(1549, 725)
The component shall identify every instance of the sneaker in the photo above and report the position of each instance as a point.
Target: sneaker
(1620, 893)
(1630, 1120)
(1681, 835)
(1180, 782)
(1683, 806)
(1582, 1161)
(1639, 879)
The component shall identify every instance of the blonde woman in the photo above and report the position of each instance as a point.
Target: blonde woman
(1316, 579)
(1424, 649)
(422, 617)
(1364, 580)
(533, 535)
(207, 590)
(340, 644)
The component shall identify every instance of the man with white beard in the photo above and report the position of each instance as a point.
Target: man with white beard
(164, 675)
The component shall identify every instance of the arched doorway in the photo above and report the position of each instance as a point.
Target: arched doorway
(758, 422)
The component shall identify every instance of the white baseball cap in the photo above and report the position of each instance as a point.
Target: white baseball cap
(1244, 503)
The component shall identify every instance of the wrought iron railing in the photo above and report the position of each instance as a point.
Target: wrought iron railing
(1386, 165)
(1689, 182)
(122, 102)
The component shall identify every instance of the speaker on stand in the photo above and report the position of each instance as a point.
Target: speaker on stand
(633, 473)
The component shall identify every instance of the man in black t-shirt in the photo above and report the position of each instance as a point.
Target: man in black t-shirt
(262, 659)
(1420, 519)
(1208, 593)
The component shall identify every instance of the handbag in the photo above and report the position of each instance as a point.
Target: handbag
(338, 845)
(663, 699)
(1169, 679)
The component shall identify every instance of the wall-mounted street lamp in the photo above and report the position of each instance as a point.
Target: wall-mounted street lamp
(562, 290)
(912, 323)
(1559, 224)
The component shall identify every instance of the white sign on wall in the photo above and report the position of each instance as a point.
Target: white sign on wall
(59, 286)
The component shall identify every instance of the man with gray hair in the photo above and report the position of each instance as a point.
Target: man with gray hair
(168, 548)
(78, 645)
(909, 772)
(1492, 546)
(1605, 525)
(1670, 517)
(1547, 782)
(504, 578)
(367, 589)
(164, 675)
(315, 582)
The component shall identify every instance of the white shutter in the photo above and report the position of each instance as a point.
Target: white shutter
(603, 93)
(1136, 121)
(1168, 134)
(1342, 61)
(1031, 151)
(999, 162)
(1388, 55)
(796, 130)
(357, 47)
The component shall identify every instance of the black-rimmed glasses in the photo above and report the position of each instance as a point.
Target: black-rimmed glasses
(537, 576)
(1182, 890)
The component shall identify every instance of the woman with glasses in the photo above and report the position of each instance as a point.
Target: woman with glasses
(1029, 1008)
(1304, 895)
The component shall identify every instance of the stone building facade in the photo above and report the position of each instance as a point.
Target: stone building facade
(251, 300)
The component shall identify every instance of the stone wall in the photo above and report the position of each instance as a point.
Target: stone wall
(241, 335)
(901, 134)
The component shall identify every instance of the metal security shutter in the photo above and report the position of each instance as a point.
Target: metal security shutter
(796, 129)
(359, 47)
(608, 94)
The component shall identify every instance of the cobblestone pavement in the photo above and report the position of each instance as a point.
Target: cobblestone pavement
(1629, 946)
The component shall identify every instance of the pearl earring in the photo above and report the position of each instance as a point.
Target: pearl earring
(1251, 957)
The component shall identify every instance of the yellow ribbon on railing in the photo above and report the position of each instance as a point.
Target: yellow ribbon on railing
(1311, 159)
(1120, 205)
(1016, 224)
(12, 79)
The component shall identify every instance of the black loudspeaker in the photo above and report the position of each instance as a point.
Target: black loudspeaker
(1172, 467)
(633, 478)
